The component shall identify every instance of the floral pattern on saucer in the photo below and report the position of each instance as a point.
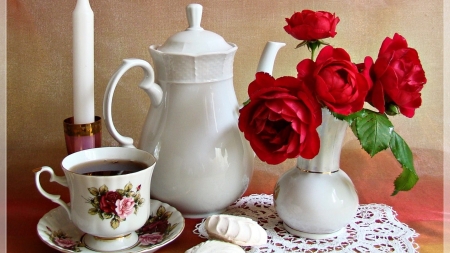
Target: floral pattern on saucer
(61, 239)
(157, 228)
(115, 205)
(164, 225)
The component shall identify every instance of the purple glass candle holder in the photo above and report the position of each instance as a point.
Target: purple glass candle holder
(82, 136)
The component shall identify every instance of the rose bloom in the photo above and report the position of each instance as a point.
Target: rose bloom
(108, 201)
(153, 238)
(157, 226)
(65, 242)
(310, 25)
(398, 77)
(335, 80)
(281, 119)
(124, 207)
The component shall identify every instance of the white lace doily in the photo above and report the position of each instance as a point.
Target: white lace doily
(374, 229)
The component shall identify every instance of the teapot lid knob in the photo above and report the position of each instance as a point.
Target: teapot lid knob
(194, 16)
(195, 40)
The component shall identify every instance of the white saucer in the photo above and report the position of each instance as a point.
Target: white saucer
(68, 238)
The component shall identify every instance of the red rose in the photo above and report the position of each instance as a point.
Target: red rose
(281, 119)
(364, 68)
(151, 239)
(108, 202)
(398, 77)
(335, 80)
(66, 243)
(310, 25)
(159, 226)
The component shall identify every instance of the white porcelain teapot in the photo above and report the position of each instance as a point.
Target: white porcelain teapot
(203, 162)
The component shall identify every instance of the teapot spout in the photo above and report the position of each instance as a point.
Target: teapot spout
(268, 56)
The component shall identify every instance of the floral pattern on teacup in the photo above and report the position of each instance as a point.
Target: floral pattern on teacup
(115, 205)
(156, 229)
(61, 239)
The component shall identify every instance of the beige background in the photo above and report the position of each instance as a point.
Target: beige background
(40, 57)
(39, 80)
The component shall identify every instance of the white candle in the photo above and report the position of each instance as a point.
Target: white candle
(83, 63)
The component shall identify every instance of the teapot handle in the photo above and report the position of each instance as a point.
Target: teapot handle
(148, 84)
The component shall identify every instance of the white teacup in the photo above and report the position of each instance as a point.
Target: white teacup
(108, 208)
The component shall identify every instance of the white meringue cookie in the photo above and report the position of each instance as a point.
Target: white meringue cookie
(213, 246)
(235, 229)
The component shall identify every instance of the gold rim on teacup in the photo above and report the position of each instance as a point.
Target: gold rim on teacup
(99, 238)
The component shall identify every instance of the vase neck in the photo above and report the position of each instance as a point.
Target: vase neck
(331, 133)
(317, 171)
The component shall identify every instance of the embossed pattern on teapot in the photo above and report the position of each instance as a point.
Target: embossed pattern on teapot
(204, 163)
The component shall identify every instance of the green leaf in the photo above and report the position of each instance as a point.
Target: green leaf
(324, 43)
(392, 109)
(152, 219)
(373, 130)
(128, 187)
(115, 223)
(103, 189)
(303, 43)
(92, 211)
(167, 215)
(95, 202)
(171, 227)
(93, 191)
(408, 178)
(351, 117)
(108, 215)
(160, 212)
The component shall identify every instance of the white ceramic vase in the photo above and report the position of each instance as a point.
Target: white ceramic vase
(316, 199)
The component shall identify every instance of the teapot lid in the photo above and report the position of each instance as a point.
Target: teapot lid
(195, 40)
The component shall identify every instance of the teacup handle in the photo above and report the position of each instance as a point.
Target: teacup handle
(148, 84)
(53, 178)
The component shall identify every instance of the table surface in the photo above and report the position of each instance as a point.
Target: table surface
(421, 208)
